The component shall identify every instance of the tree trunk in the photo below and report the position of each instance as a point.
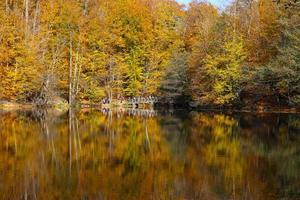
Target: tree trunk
(110, 82)
(235, 16)
(36, 13)
(70, 73)
(250, 18)
(76, 72)
(6, 6)
(26, 14)
(77, 80)
(85, 10)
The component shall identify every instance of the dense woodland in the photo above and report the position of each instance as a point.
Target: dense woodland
(86, 50)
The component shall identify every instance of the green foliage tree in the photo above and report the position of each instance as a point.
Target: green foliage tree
(133, 73)
(224, 67)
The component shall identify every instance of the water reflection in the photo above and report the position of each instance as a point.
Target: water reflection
(94, 154)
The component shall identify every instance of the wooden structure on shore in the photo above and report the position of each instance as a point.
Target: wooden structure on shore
(142, 102)
(134, 102)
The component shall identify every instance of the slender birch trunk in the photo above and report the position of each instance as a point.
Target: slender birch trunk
(85, 12)
(26, 14)
(110, 82)
(6, 6)
(235, 16)
(70, 73)
(78, 80)
(75, 73)
(35, 19)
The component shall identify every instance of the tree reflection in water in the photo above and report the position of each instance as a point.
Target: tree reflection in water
(91, 154)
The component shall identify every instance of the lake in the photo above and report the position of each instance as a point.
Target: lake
(148, 155)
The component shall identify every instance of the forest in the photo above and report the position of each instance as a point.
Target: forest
(87, 50)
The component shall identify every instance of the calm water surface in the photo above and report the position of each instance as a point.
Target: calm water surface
(149, 156)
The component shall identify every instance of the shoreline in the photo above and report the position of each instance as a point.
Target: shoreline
(13, 106)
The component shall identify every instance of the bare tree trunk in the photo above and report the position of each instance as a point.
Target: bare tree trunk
(75, 73)
(36, 13)
(26, 14)
(85, 10)
(6, 6)
(78, 80)
(235, 15)
(250, 17)
(70, 73)
(15, 75)
(110, 82)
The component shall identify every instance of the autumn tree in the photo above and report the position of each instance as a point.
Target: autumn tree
(281, 74)
(19, 67)
(224, 68)
(200, 37)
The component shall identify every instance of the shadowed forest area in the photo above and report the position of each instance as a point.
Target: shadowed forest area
(87, 50)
